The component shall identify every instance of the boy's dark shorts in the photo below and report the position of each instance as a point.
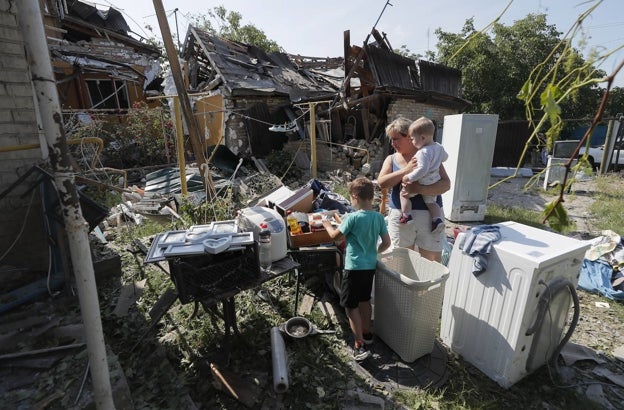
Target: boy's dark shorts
(355, 287)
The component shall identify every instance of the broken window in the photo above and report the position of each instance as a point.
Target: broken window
(108, 94)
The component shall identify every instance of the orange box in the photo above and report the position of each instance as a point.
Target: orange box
(309, 239)
(312, 238)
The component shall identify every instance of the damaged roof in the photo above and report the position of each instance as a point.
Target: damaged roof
(427, 80)
(110, 19)
(97, 41)
(374, 70)
(83, 22)
(247, 70)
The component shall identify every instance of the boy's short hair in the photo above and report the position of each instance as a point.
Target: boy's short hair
(362, 188)
(422, 126)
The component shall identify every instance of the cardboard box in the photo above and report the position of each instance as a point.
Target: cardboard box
(300, 201)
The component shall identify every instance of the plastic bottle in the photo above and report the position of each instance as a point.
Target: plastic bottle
(293, 224)
(264, 247)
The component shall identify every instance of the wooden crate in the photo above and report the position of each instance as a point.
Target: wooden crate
(309, 239)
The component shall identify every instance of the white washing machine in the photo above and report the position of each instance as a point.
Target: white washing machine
(509, 320)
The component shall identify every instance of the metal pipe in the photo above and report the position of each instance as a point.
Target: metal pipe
(280, 365)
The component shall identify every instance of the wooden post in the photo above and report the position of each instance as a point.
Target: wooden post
(313, 138)
(187, 110)
(180, 144)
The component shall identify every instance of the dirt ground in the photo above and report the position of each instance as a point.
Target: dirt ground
(515, 192)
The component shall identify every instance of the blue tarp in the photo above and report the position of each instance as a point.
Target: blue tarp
(596, 277)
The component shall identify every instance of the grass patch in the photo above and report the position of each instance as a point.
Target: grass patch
(605, 212)
(607, 207)
(496, 214)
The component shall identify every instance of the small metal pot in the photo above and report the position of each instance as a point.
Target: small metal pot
(299, 327)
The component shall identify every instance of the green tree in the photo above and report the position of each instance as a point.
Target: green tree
(495, 67)
(615, 105)
(406, 52)
(227, 24)
(477, 60)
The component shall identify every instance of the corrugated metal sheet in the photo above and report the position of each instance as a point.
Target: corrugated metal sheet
(440, 78)
(391, 70)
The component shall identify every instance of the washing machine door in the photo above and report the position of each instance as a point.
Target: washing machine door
(555, 319)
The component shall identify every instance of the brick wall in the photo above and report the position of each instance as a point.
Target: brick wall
(18, 127)
(412, 110)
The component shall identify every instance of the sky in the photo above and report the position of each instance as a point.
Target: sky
(315, 29)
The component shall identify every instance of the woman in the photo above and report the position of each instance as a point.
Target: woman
(416, 234)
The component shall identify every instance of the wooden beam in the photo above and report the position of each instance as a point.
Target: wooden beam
(185, 104)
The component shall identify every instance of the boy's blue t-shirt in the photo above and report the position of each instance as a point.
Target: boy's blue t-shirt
(362, 229)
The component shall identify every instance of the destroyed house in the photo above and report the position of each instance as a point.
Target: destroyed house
(97, 63)
(381, 85)
(245, 90)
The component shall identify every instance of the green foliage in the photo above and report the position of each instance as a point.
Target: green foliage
(217, 209)
(495, 67)
(406, 52)
(496, 214)
(78, 127)
(557, 216)
(143, 138)
(419, 399)
(146, 228)
(532, 61)
(615, 105)
(227, 24)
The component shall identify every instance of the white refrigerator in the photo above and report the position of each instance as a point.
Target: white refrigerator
(469, 140)
(509, 320)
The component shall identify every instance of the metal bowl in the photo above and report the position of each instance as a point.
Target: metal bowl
(298, 327)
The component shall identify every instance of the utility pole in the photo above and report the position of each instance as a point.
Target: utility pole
(175, 14)
(76, 228)
(185, 104)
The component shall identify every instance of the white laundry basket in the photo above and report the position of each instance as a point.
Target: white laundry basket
(409, 291)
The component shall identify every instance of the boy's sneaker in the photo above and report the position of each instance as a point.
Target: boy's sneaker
(437, 226)
(405, 218)
(360, 353)
(368, 338)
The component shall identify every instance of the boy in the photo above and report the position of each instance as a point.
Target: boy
(429, 156)
(361, 229)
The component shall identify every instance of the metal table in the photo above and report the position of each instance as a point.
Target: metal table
(227, 300)
(227, 296)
